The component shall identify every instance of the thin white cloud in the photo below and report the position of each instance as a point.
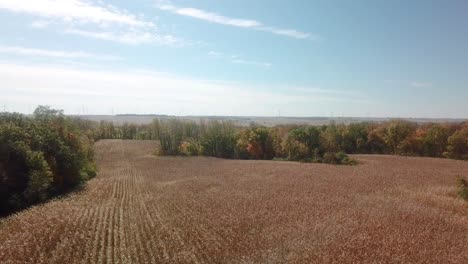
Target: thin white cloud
(16, 50)
(131, 38)
(74, 11)
(238, 59)
(289, 33)
(212, 17)
(151, 92)
(254, 63)
(91, 19)
(236, 22)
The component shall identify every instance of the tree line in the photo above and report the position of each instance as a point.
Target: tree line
(41, 156)
(325, 143)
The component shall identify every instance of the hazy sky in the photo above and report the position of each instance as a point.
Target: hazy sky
(377, 58)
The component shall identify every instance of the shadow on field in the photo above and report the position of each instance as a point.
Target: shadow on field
(5, 213)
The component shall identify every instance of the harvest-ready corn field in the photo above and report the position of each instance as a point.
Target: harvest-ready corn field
(147, 209)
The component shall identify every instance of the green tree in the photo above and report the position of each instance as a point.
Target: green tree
(396, 132)
(171, 135)
(219, 139)
(458, 144)
(376, 140)
(42, 156)
(355, 138)
(435, 140)
(331, 139)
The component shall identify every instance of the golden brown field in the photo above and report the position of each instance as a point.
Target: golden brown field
(147, 209)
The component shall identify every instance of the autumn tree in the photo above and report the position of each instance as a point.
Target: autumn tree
(355, 138)
(331, 139)
(396, 132)
(41, 156)
(376, 139)
(435, 140)
(458, 144)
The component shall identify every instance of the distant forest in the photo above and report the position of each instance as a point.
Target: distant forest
(326, 143)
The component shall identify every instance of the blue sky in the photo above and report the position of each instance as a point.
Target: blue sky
(236, 57)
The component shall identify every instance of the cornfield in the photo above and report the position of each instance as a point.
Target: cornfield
(147, 209)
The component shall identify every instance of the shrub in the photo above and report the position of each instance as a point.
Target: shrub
(344, 159)
(463, 188)
(190, 148)
(340, 158)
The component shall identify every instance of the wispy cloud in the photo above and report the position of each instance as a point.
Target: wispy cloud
(238, 59)
(236, 22)
(130, 37)
(91, 19)
(211, 17)
(16, 50)
(289, 33)
(254, 63)
(74, 11)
